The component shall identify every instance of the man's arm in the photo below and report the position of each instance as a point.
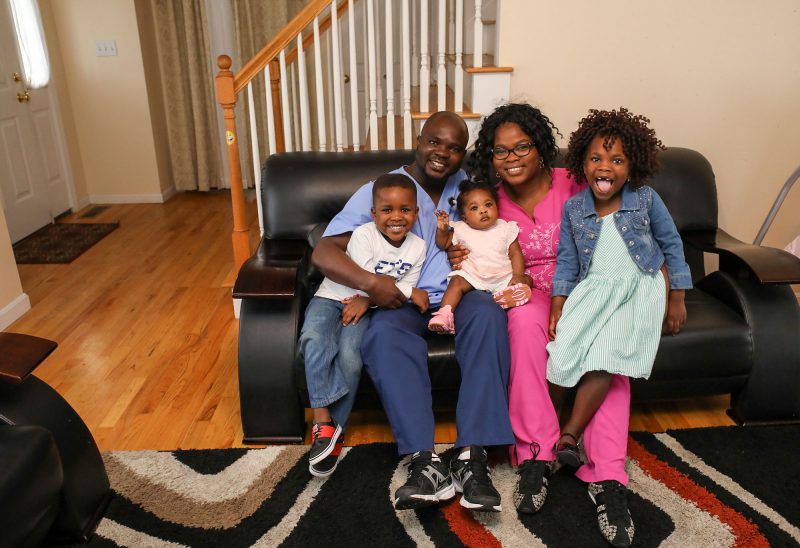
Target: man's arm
(331, 259)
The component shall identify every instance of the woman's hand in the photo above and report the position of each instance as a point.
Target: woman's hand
(556, 306)
(420, 299)
(457, 254)
(354, 307)
(676, 311)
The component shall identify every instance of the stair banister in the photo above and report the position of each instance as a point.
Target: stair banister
(406, 60)
(441, 68)
(353, 55)
(390, 136)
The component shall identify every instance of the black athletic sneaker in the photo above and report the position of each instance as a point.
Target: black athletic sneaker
(325, 467)
(324, 436)
(428, 483)
(531, 490)
(471, 478)
(613, 517)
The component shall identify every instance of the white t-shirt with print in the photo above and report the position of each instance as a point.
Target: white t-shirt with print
(369, 249)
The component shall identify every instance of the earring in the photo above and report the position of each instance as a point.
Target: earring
(541, 163)
(497, 174)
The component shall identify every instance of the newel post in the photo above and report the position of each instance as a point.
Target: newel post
(226, 97)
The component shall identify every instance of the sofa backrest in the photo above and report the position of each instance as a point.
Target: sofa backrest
(301, 190)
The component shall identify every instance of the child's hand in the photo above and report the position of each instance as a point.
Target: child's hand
(420, 299)
(556, 306)
(354, 307)
(442, 220)
(676, 311)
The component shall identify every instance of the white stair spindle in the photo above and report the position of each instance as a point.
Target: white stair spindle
(287, 123)
(255, 152)
(270, 115)
(351, 20)
(295, 106)
(380, 72)
(406, 56)
(459, 48)
(305, 120)
(477, 53)
(441, 69)
(391, 143)
(337, 77)
(319, 90)
(424, 59)
(414, 44)
(373, 78)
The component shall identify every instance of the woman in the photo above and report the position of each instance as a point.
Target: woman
(516, 145)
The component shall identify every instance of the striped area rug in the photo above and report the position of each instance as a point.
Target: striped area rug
(728, 486)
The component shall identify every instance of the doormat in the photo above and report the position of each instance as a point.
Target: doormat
(60, 243)
(722, 486)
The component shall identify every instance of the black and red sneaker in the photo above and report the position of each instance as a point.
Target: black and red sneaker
(326, 466)
(324, 436)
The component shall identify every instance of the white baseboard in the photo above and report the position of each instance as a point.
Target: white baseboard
(127, 198)
(14, 310)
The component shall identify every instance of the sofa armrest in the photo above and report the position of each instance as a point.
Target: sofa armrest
(20, 354)
(767, 264)
(272, 271)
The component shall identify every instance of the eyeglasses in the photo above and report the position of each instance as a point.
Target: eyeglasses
(520, 151)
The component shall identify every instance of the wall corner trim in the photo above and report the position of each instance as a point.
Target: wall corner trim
(14, 310)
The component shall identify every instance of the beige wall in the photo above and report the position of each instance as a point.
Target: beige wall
(719, 76)
(107, 98)
(10, 286)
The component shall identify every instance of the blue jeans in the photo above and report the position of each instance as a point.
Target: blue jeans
(332, 356)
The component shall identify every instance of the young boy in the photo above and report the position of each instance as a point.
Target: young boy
(336, 317)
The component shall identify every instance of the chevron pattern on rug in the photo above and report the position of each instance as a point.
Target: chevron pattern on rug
(726, 486)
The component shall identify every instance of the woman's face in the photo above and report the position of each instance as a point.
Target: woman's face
(522, 161)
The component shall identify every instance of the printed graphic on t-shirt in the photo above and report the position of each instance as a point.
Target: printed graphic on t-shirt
(395, 269)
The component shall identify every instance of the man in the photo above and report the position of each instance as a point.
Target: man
(394, 349)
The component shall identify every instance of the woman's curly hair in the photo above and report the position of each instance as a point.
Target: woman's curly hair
(531, 121)
(639, 143)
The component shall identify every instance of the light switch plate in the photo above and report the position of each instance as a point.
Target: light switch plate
(105, 48)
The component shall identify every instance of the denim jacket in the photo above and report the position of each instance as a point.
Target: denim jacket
(645, 225)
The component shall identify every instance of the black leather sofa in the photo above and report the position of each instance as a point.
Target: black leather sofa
(53, 484)
(742, 336)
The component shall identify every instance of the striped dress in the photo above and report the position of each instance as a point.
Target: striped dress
(612, 319)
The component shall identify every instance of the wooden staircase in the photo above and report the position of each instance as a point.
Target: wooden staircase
(327, 86)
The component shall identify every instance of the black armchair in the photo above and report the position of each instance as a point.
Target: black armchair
(742, 336)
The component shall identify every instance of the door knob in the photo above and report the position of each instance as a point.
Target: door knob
(16, 76)
(23, 96)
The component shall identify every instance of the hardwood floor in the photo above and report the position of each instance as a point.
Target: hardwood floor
(148, 341)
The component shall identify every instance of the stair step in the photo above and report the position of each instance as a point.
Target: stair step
(449, 101)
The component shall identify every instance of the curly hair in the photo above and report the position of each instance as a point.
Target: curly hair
(468, 185)
(639, 143)
(530, 120)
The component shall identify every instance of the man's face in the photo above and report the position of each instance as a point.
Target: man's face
(441, 147)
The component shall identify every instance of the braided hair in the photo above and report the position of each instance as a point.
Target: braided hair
(639, 143)
(530, 120)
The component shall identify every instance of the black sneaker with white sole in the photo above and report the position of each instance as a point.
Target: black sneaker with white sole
(324, 436)
(471, 478)
(531, 489)
(613, 517)
(428, 483)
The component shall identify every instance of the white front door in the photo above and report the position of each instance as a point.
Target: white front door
(34, 186)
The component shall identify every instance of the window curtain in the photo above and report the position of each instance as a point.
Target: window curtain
(256, 22)
(189, 97)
